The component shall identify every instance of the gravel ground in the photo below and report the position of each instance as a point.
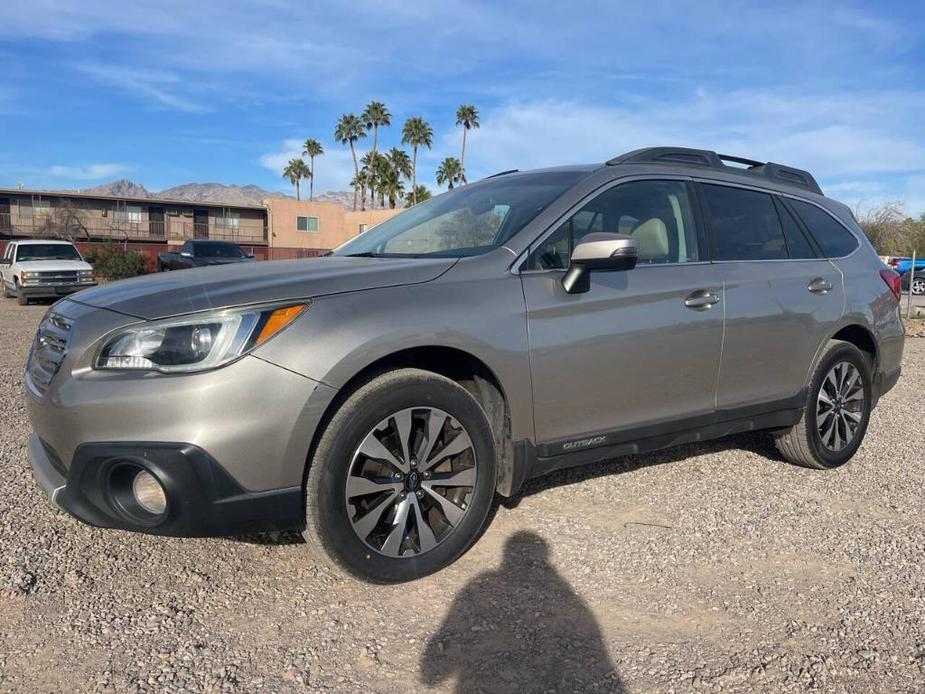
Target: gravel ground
(706, 567)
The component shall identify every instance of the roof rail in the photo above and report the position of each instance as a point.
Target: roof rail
(710, 159)
(503, 173)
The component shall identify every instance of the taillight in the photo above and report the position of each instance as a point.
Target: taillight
(894, 262)
(892, 280)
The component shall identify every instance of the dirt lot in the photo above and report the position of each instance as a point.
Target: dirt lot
(706, 567)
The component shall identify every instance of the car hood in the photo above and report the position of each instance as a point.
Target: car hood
(53, 265)
(173, 293)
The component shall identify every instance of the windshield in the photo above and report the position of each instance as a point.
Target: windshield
(466, 221)
(218, 250)
(46, 251)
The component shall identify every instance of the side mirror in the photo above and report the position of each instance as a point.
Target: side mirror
(599, 252)
(186, 254)
(5, 261)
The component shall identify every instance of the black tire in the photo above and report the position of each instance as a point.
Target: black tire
(7, 294)
(329, 531)
(802, 443)
(21, 297)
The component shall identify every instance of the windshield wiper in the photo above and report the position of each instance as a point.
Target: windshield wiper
(365, 255)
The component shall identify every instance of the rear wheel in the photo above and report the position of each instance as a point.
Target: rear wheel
(402, 479)
(918, 286)
(837, 410)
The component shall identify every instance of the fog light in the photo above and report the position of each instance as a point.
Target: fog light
(149, 494)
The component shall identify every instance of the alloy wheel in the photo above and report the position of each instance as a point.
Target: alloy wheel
(840, 406)
(918, 286)
(410, 482)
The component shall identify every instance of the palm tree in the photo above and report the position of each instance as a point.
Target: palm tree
(390, 186)
(350, 129)
(450, 172)
(374, 115)
(295, 171)
(312, 149)
(417, 133)
(419, 194)
(467, 116)
(400, 162)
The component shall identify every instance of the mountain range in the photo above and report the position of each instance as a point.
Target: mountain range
(208, 192)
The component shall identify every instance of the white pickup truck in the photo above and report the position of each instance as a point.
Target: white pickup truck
(43, 268)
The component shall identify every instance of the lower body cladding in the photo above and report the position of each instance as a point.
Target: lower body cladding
(160, 488)
(209, 454)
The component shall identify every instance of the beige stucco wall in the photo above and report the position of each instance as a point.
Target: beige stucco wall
(335, 225)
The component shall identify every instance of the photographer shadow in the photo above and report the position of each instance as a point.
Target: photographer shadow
(520, 628)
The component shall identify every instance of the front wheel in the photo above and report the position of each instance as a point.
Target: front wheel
(918, 286)
(402, 479)
(21, 297)
(837, 410)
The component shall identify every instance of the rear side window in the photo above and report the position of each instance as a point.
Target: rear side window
(834, 240)
(797, 243)
(745, 224)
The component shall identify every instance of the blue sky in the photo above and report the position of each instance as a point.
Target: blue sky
(173, 91)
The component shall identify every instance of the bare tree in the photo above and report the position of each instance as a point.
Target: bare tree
(890, 229)
(65, 221)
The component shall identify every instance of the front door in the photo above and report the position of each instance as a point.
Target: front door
(156, 228)
(781, 299)
(635, 350)
(5, 220)
(200, 224)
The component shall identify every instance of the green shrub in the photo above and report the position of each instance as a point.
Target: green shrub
(114, 263)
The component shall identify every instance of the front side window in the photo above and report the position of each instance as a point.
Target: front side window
(657, 213)
(46, 251)
(744, 224)
(213, 249)
(834, 240)
(467, 221)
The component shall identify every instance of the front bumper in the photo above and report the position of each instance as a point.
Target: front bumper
(39, 291)
(202, 498)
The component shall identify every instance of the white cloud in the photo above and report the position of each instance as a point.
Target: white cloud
(91, 172)
(839, 137)
(157, 87)
(333, 170)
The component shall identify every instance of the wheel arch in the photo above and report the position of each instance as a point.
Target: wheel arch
(458, 365)
(862, 338)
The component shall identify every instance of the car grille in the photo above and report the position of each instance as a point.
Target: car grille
(63, 277)
(48, 351)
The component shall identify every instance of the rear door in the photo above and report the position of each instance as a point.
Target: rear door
(630, 352)
(781, 298)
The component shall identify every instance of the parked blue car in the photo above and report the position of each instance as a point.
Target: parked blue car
(902, 265)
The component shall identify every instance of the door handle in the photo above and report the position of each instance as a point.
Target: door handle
(820, 286)
(701, 300)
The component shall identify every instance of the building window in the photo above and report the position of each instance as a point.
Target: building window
(128, 214)
(29, 207)
(306, 223)
(231, 220)
(362, 228)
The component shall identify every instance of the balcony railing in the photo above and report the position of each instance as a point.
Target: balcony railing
(171, 230)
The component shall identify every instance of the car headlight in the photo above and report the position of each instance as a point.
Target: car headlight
(194, 343)
(85, 275)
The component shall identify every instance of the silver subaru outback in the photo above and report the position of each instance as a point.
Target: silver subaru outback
(380, 398)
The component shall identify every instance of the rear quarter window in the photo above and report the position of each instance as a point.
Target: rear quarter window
(834, 239)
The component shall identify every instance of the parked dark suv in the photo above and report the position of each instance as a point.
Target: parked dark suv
(380, 397)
